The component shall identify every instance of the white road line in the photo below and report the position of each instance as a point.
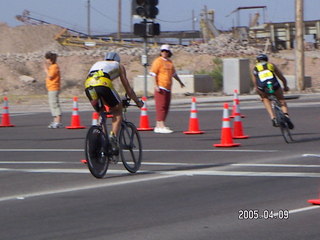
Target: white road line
(274, 165)
(311, 155)
(178, 173)
(63, 170)
(35, 162)
(88, 187)
(40, 150)
(144, 150)
(298, 210)
(173, 164)
(242, 173)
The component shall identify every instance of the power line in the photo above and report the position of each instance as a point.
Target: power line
(179, 21)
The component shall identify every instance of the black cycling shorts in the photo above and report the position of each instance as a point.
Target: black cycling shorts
(105, 94)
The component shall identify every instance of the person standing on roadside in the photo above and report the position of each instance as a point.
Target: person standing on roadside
(163, 71)
(53, 82)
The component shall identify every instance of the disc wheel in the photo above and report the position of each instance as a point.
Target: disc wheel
(97, 160)
(130, 147)
(285, 131)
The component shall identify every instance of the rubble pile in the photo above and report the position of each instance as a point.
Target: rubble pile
(22, 49)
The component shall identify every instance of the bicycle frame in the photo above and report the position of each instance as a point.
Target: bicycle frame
(280, 118)
(99, 151)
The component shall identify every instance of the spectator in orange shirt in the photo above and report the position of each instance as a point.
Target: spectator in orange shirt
(163, 71)
(53, 86)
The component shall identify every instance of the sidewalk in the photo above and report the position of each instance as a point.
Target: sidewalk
(84, 105)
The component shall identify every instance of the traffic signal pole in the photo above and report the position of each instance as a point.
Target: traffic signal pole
(145, 63)
(148, 11)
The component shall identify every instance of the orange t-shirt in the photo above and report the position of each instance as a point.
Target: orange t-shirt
(163, 70)
(53, 78)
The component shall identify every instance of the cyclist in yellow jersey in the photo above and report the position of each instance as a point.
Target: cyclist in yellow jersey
(100, 91)
(264, 74)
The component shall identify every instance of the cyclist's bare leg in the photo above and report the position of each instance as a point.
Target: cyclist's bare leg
(117, 118)
(280, 97)
(267, 103)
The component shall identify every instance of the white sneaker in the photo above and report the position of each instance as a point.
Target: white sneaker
(156, 130)
(164, 130)
(55, 125)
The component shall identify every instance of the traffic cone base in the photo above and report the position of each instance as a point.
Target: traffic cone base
(314, 201)
(227, 145)
(193, 132)
(238, 131)
(144, 129)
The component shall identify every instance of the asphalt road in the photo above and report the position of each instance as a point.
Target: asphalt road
(186, 188)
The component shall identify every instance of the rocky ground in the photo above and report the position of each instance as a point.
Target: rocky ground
(22, 49)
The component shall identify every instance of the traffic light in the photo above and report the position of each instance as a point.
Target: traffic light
(147, 8)
(146, 29)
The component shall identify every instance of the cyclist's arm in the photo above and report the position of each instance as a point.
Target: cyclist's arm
(127, 87)
(281, 77)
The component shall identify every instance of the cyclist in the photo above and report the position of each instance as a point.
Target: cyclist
(100, 91)
(266, 73)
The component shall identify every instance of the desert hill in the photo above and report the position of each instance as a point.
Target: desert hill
(22, 49)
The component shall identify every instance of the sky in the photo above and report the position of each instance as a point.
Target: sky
(174, 15)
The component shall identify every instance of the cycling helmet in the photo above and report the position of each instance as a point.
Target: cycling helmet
(262, 57)
(112, 56)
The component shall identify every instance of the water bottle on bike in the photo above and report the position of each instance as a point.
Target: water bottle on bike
(270, 87)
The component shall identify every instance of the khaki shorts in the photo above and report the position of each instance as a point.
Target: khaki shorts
(54, 104)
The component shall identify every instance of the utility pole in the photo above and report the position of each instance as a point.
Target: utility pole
(119, 19)
(88, 17)
(299, 49)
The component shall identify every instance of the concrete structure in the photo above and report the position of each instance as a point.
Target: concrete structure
(236, 75)
(292, 82)
(193, 83)
(282, 35)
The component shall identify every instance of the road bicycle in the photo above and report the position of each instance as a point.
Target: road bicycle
(281, 118)
(98, 149)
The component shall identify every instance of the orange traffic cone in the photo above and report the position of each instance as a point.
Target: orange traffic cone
(236, 102)
(144, 119)
(315, 201)
(237, 125)
(75, 118)
(95, 118)
(193, 122)
(226, 134)
(5, 114)
(108, 111)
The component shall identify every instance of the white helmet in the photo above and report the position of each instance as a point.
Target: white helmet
(112, 56)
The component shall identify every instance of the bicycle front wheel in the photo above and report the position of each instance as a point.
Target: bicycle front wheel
(130, 147)
(97, 160)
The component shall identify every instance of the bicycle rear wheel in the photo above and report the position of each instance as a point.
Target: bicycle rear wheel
(283, 125)
(97, 160)
(130, 147)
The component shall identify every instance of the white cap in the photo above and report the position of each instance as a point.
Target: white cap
(165, 47)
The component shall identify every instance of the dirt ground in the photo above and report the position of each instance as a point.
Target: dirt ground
(22, 49)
